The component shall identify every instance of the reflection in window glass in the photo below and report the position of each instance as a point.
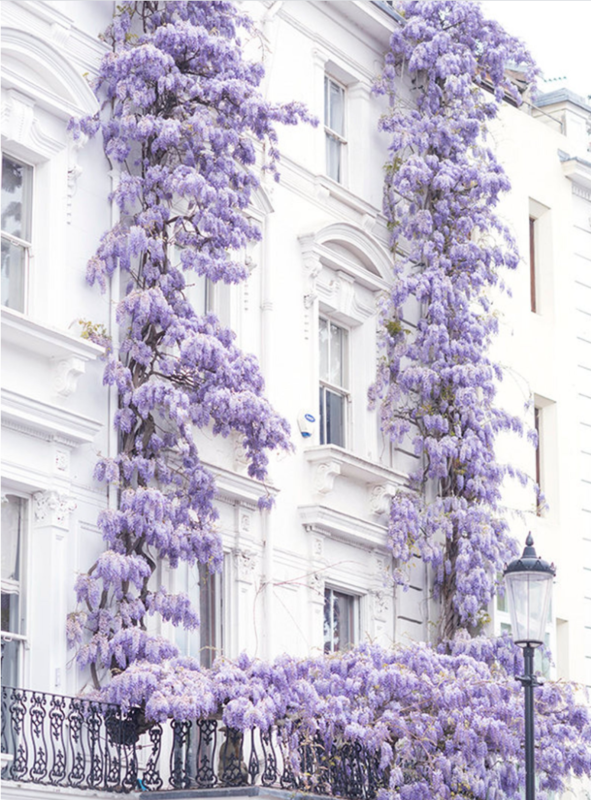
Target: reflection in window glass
(17, 207)
(334, 127)
(333, 344)
(339, 621)
(198, 289)
(204, 591)
(14, 517)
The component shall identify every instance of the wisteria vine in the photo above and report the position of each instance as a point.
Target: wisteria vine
(439, 724)
(436, 383)
(181, 112)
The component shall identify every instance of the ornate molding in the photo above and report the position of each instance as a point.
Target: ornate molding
(381, 603)
(316, 584)
(345, 463)
(325, 474)
(47, 422)
(52, 509)
(245, 561)
(342, 527)
(65, 375)
(380, 497)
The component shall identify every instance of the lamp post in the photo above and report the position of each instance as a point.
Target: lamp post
(528, 581)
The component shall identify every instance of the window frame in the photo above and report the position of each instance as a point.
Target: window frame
(190, 642)
(26, 245)
(331, 134)
(355, 599)
(342, 391)
(20, 636)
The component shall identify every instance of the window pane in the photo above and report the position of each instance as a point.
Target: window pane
(10, 603)
(335, 418)
(334, 106)
(203, 642)
(323, 342)
(10, 661)
(13, 521)
(208, 616)
(328, 621)
(333, 158)
(14, 259)
(343, 621)
(338, 355)
(16, 198)
(339, 621)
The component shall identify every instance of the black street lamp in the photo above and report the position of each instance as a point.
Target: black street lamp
(528, 581)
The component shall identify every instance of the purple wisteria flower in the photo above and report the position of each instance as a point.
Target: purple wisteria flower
(181, 112)
(439, 723)
(436, 383)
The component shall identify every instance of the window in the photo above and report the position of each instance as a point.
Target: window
(198, 289)
(204, 591)
(17, 196)
(532, 264)
(334, 127)
(334, 378)
(14, 524)
(341, 613)
(538, 430)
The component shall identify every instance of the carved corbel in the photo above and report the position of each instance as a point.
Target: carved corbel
(52, 509)
(66, 374)
(245, 561)
(324, 477)
(316, 584)
(312, 267)
(380, 604)
(380, 497)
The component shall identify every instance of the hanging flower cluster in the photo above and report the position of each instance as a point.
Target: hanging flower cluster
(440, 725)
(180, 116)
(436, 382)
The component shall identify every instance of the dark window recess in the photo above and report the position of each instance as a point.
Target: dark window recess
(537, 426)
(532, 263)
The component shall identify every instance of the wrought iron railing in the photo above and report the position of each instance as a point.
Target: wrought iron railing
(73, 742)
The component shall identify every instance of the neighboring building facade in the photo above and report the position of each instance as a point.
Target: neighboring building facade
(312, 575)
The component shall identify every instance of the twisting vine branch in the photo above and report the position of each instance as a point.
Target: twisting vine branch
(180, 113)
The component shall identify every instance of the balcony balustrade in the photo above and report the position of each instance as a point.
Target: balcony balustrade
(74, 742)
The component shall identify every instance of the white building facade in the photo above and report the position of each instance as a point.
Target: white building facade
(313, 574)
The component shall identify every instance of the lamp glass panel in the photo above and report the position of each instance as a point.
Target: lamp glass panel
(529, 600)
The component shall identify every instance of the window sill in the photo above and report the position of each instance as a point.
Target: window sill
(27, 334)
(343, 527)
(67, 354)
(331, 461)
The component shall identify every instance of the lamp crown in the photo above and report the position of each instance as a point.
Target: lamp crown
(530, 561)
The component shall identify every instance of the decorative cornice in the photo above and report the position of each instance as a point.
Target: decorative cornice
(343, 527)
(580, 191)
(52, 509)
(64, 93)
(233, 488)
(353, 466)
(44, 421)
(579, 172)
(40, 339)
(245, 561)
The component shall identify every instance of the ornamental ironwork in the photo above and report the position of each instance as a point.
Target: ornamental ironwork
(75, 742)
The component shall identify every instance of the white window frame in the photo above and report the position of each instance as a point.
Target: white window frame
(330, 134)
(190, 642)
(19, 587)
(355, 599)
(343, 391)
(191, 281)
(26, 245)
